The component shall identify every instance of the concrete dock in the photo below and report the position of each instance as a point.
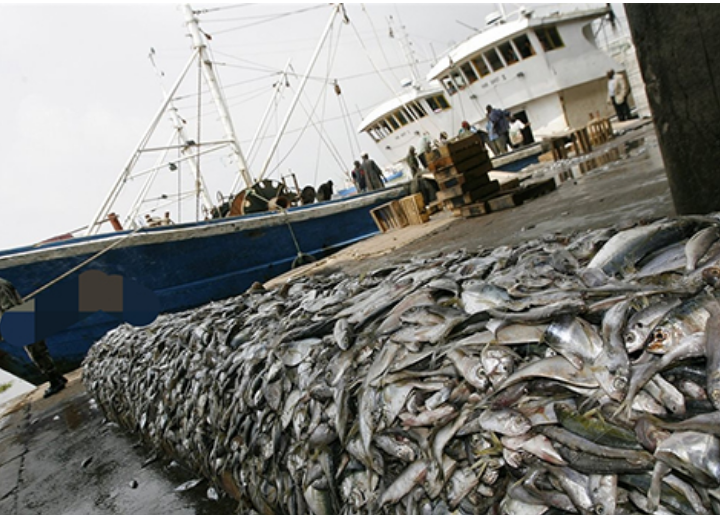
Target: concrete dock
(60, 456)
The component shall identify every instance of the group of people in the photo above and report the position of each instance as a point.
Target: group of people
(503, 132)
(367, 175)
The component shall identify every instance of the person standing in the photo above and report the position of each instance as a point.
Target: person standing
(424, 146)
(325, 191)
(358, 176)
(373, 174)
(420, 184)
(38, 351)
(501, 125)
(618, 91)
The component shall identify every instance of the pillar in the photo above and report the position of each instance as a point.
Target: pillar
(679, 55)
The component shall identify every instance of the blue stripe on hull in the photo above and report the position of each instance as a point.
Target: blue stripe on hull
(186, 273)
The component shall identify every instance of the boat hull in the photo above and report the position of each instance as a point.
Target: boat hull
(185, 265)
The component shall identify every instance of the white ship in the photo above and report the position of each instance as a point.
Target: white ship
(543, 65)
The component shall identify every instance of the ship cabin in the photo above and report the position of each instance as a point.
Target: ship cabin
(400, 122)
(542, 65)
(546, 69)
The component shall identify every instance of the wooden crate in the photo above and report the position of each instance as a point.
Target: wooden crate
(413, 207)
(389, 216)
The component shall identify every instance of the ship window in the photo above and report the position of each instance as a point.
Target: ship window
(481, 66)
(437, 103)
(401, 117)
(409, 113)
(494, 59)
(385, 125)
(508, 52)
(449, 85)
(442, 102)
(418, 109)
(393, 123)
(469, 73)
(524, 46)
(549, 38)
(372, 131)
(459, 80)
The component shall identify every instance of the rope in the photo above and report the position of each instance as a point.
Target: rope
(78, 267)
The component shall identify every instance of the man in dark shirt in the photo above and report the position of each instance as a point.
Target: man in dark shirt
(500, 120)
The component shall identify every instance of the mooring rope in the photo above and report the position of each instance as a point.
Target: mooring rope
(84, 263)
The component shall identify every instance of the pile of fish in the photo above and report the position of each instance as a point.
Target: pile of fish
(568, 374)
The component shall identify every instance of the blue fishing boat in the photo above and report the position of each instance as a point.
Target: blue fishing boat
(249, 236)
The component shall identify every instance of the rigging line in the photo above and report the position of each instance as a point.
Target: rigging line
(197, 153)
(262, 16)
(372, 62)
(86, 262)
(328, 143)
(382, 51)
(277, 17)
(223, 8)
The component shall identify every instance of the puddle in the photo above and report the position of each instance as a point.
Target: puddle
(577, 166)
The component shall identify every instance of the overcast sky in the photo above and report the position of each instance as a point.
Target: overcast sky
(79, 90)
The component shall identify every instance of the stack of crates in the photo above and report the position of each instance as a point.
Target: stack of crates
(461, 170)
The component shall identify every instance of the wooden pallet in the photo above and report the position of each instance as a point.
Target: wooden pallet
(472, 210)
(521, 195)
(476, 164)
(469, 180)
(389, 216)
(470, 197)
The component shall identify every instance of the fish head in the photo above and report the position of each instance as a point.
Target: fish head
(711, 276)
(660, 340)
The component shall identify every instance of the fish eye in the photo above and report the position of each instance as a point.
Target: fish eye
(619, 382)
(599, 509)
(630, 337)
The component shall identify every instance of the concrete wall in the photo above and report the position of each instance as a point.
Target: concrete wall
(679, 55)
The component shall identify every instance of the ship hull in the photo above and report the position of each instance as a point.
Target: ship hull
(185, 265)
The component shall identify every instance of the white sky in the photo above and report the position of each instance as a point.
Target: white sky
(78, 90)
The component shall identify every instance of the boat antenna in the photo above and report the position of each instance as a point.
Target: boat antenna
(337, 8)
(406, 46)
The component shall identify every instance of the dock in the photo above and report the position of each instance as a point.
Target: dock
(60, 456)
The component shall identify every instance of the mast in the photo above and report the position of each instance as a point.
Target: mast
(199, 52)
(301, 87)
(212, 82)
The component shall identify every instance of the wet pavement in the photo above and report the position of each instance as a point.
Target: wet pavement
(60, 456)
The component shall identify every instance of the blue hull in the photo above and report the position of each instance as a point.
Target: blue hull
(185, 265)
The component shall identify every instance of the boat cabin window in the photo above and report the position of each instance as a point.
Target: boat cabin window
(469, 73)
(459, 80)
(386, 126)
(494, 59)
(524, 46)
(449, 85)
(418, 109)
(393, 123)
(400, 116)
(481, 66)
(409, 113)
(508, 52)
(549, 38)
(374, 134)
(437, 103)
